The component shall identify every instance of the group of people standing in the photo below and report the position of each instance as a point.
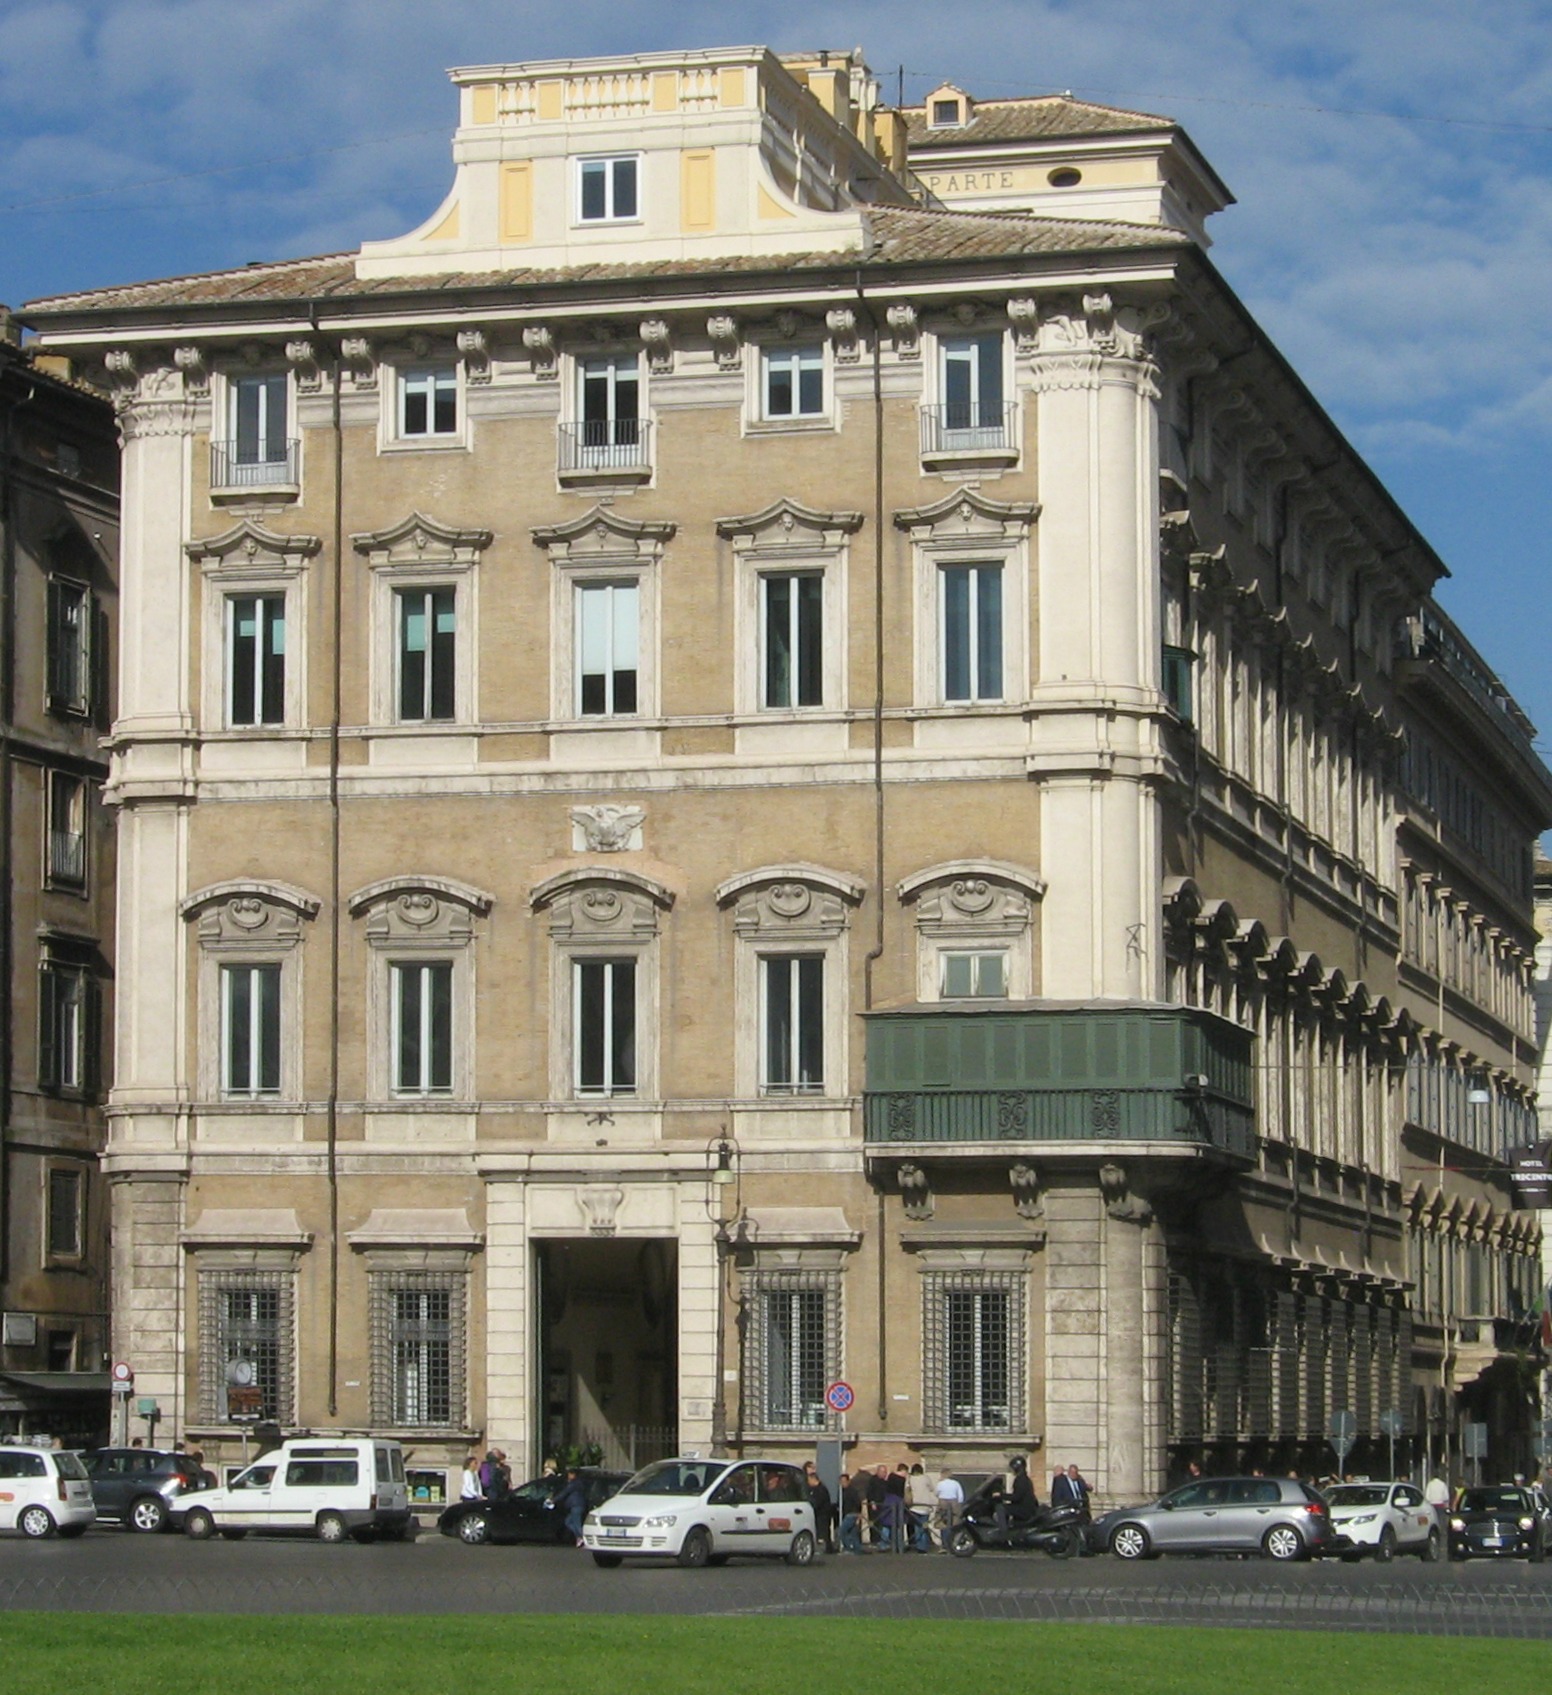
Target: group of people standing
(490, 1479)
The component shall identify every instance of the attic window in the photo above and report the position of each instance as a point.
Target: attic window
(1065, 176)
(946, 114)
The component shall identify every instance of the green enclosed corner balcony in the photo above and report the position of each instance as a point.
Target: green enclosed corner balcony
(1059, 1072)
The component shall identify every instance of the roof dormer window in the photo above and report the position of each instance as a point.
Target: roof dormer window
(948, 108)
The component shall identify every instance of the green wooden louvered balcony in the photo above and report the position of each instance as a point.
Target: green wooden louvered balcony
(1049, 1072)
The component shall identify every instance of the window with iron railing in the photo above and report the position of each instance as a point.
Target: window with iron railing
(66, 831)
(246, 1324)
(418, 1348)
(973, 1363)
(792, 1347)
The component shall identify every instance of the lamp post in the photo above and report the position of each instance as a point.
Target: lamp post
(721, 1175)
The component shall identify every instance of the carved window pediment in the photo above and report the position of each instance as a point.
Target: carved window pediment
(254, 915)
(979, 897)
(419, 911)
(788, 524)
(970, 517)
(594, 904)
(252, 549)
(801, 902)
(418, 541)
(603, 537)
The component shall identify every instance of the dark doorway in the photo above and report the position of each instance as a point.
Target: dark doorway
(608, 1338)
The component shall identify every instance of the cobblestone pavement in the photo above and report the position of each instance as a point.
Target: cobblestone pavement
(112, 1570)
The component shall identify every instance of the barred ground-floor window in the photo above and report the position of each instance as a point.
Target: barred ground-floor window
(792, 1348)
(418, 1348)
(973, 1366)
(247, 1344)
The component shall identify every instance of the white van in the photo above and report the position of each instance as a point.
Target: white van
(43, 1490)
(316, 1485)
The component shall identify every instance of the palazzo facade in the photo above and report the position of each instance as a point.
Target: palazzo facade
(781, 750)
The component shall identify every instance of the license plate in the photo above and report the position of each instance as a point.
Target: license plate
(1493, 1541)
(612, 1533)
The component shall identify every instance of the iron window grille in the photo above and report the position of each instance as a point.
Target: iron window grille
(246, 1317)
(66, 830)
(418, 1352)
(973, 1336)
(70, 657)
(792, 1348)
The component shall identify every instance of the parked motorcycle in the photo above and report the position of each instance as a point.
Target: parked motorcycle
(1057, 1531)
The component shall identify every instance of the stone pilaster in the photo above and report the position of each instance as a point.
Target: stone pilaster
(150, 1324)
(700, 1312)
(510, 1324)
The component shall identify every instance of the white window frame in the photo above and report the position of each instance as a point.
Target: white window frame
(1004, 1274)
(974, 906)
(566, 688)
(434, 380)
(609, 162)
(231, 1088)
(425, 1087)
(764, 577)
(259, 475)
(977, 957)
(817, 354)
(791, 966)
(589, 585)
(977, 571)
(230, 599)
(612, 1087)
(403, 594)
(70, 795)
(250, 563)
(387, 584)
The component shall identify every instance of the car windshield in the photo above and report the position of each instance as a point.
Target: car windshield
(675, 1477)
(69, 1465)
(1493, 1501)
(1358, 1495)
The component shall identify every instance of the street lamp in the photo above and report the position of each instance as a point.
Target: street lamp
(721, 1174)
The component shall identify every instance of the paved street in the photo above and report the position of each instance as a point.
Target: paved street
(112, 1570)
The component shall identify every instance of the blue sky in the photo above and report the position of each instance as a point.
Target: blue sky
(1392, 161)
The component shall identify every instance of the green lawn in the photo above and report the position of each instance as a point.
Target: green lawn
(50, 1653)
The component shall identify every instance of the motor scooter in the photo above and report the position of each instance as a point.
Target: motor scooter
(1057, 1531)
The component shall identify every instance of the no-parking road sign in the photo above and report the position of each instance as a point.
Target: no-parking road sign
(839, 1397)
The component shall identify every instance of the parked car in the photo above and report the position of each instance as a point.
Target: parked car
(1501, 1518)
(136, 1486)
(702, 1512)
(330, 1489)
(1279, 1517)
(1382, 1520)
(527, 1513)
(43, 1491)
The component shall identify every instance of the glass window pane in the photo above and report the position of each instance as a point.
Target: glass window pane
(811, 386)
(987, 353)
(778, 640)
(778, 1023)
(440, 1034)
(778, 385)
(988, 580)
(623, 1034)
(625, 188)
(594, 188)
(407, 983)
(268, 1013)
(415, 406)
(591, 987)
(956, 633)
(810, 641)
(810, 1053)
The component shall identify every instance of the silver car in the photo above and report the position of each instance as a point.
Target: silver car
(1279, 1517)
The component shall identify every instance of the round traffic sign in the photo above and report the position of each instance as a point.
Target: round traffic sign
(123, 1372)
(839, 1397)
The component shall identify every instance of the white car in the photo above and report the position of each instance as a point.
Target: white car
(702, 1512)
(330, 1489)
(44, 1490)
(1383, 1520)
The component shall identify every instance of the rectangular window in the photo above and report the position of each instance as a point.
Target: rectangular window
(610, 403)
(972, 387)
(794, 382)
(791, 1350)
(250, 1031)
(245, 1328)
(428, 403)
(792, 987)
(67, 1027)
(608, 639)
(66, 831)
(974, 1354)
(1178, 682)
(607, 189)
(65, 1191)
(971, 602)
(423, 1028)
(70, 620)
(255, 659)
(417, 1321)
(792, 647)
(945, 114)
(426, 646)
(975, 976)
(604, 1022)
(258, 420)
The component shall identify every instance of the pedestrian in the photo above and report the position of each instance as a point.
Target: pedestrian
(920, 1499)
(1437, 1494)
(571, 1500)
(873, 1492)
(550, 1468)
(951, 1504)
(824, 1507)
(895, 1483)
(1068, 1489)
(471, 1489)
(851, 1516)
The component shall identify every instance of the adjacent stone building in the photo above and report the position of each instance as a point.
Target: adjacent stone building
(781, 751)
(59, 474)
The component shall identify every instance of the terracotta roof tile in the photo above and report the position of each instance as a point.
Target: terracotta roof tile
(1041, 117)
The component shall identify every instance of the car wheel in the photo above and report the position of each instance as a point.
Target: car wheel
(608, 1561)
(36, 1522)
(233, 1535)
(1065, 1546)
(200, 1525)
(1130, 1542)
(1431, 1549)
(149, 1514)
(801, 1553)
(695, 1550)
(1283, 1542)
(474, 1528)
(1385, 1548)
(332, 1527)
(961, 1542)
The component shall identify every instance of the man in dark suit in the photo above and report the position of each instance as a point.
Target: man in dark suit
(1068, 1489)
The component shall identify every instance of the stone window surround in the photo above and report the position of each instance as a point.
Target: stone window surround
(419, 920)
(601, 912)
(249, 559)
(966, 527)
(249, 922)
(756, 421)
(419, 552)
(222, 382)
(230, 1266)
(974, 905)
(794, 908)
(415, 357)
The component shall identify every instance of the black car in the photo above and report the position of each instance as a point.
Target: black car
(1501, 1518)
(525, 1514)
(136, 1486)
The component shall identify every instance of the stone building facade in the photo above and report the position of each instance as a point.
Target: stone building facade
(58, 555)
(781, 750)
